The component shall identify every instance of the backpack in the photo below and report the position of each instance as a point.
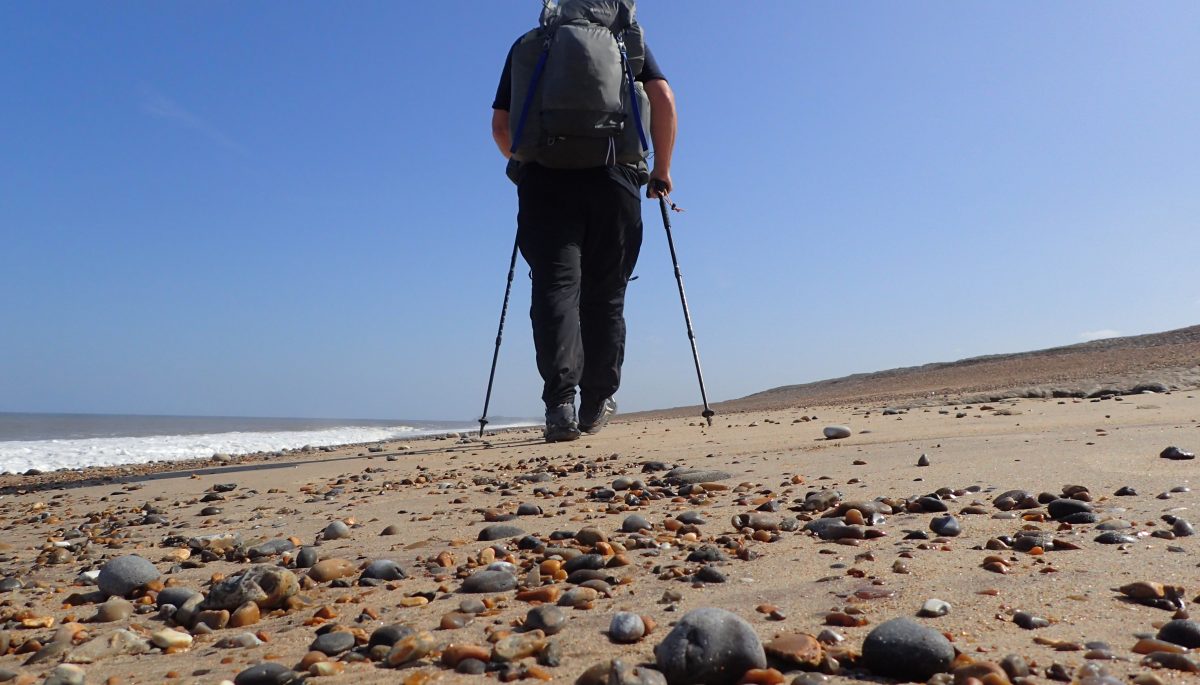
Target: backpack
(573, 80)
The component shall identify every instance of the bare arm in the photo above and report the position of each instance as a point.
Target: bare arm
(500, 132)
(662, 132)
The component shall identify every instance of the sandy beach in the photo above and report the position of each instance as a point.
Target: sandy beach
(435, 497)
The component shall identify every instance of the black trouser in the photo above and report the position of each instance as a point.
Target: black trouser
(580, 231)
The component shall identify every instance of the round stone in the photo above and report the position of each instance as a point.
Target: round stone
(546, 618)
(333, 643)
(499, 531)
(626, 627)
(115, 609)
(1183, 632)
(529, 509)
(335, 531)
(934, 607)
(836, 432)
(389, 635)
(384, 569)
(123, 575)
(331, 569)
(709, 645)
(175, 596)
(1062, 508)
(306, 557)
(266, 673)
(490, 581)
(906, 650)
(946, 526)
(634, 522)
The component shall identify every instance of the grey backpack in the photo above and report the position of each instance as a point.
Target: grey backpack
(573, 79)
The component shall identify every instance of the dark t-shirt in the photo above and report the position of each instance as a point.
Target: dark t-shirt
(621, 173)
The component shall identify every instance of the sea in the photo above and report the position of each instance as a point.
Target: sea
(49, 442)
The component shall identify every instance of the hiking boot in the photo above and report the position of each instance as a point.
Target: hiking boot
(561, 425)
(593, 419)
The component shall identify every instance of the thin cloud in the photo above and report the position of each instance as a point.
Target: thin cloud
(160, 106)
(1101, 334)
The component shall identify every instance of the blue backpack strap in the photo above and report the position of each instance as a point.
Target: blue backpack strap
(533, 83)
(633, 99)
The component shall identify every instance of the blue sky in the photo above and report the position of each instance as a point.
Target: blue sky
(295, 209)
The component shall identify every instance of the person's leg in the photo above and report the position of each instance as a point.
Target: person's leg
(549, 235)
(610, 252)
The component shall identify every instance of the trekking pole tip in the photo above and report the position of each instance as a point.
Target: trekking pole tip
(708, 414)
(482, 423)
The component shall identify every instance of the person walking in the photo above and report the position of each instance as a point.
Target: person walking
(579, 166)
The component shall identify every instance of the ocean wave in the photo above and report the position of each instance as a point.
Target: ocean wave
(50, 455)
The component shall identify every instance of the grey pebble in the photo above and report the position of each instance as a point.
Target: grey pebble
(709, 645)
(499, 531)
(906, 650)
(123, 575)
(946, 526)
(267, 673)
(333, 643)
(336, 531)
(836, 432)
(547, 618)
(489, 581)
(626, 627)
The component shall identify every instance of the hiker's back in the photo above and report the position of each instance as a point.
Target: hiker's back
(577, 103)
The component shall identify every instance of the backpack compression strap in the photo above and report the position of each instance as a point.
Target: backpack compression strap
(533, 83)
(633, 100)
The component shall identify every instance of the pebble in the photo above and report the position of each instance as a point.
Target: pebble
(333, 643)
(800, 649)
(455, 653)
(266, 673)
(171, 639)
(331, 569)
(384, 569)
(239, 641)
(518, 646)
(1115, 538)
(1174, 452)
(709, 574)
(389, 635)
(1184, 632)
(391, 529)
(66, 674)
(626, 627)
(307, 557)
(634, 523)
(547, 618)
(923, 460)
(836, 432)
(709, 645)
(411, 648)
(113, 609)
(499, 531)
(267, 586)
(933, 608)
(336, 531)
(10, 584)
(1126, 491)
(1061, 508)
(123, 575)
(906, 650)
(116, 643)
(1028, 621)
(946, 526)
(489, 581)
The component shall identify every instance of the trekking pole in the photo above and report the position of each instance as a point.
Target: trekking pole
(687, 317)
(512, 267)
